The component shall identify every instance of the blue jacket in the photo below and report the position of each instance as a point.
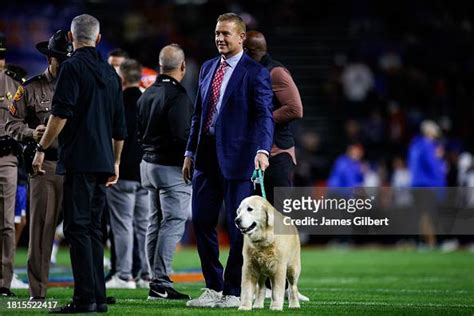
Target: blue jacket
(245, 121)
(426, 169)
(346, 173)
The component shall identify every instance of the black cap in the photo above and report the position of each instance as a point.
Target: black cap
(58, 46)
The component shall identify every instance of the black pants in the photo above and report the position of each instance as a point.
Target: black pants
(84, 198)
(278, 174)
(108, 234)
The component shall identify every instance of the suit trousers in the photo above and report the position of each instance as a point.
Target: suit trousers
(83, 204)
(46, 194)
(210, 190)
(8, 182)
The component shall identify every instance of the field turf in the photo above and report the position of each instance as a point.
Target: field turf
(339, 282)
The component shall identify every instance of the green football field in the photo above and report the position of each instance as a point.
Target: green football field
(339, 282)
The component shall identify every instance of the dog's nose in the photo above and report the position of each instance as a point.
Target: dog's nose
(238, 221)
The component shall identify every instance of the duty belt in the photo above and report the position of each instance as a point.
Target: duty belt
(9, 146)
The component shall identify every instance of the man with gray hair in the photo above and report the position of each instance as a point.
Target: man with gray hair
(88, 115)
(85, 29)
(164, 119)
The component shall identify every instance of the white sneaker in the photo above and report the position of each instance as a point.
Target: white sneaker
(17, 283)
(268, 293)
(143, 284)
(449, 245)
(117, 283)
(470, 247)
(301, 297)
(228, 301)
(208, 298)
(54, 253)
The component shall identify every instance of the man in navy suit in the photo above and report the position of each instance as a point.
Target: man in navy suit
(231, 135)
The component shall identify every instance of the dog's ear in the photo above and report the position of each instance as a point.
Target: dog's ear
(269, 214)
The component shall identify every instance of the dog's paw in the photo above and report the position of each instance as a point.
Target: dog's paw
(276, 307)
(245, 308)
(258, 306)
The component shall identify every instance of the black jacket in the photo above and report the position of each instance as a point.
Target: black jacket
(132, 152)
(89, 95)
(164, 121)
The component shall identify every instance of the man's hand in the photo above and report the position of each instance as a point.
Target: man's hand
(187, 169)
(113, 179)
(38, 132)
(37, 164)
(261, 161)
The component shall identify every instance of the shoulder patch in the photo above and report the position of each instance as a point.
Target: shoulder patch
(19, 94)
(12, 109)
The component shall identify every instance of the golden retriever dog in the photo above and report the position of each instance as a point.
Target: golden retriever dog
(267, 254)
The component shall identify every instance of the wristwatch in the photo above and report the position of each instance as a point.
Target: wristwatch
(40, 148)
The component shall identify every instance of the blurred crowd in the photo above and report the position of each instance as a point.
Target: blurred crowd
(391, 78)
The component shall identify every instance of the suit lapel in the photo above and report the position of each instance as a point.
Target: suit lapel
(234, 80)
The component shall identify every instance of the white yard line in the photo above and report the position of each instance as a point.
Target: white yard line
(394, 304)
(382, 290)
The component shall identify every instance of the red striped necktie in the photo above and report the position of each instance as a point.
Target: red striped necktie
(215, 93)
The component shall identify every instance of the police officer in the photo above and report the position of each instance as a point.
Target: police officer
(28, 116)
(8, 175)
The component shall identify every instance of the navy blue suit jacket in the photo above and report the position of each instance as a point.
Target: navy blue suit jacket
(245, 122)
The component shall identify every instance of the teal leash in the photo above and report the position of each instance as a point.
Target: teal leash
(257, 177)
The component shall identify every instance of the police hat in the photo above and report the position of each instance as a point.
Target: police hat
(58, 46)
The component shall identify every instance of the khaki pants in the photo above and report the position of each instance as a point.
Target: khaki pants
(8, 181)
(46, 193)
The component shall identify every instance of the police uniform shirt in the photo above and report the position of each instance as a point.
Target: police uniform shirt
(31, 106)
(8, 87)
